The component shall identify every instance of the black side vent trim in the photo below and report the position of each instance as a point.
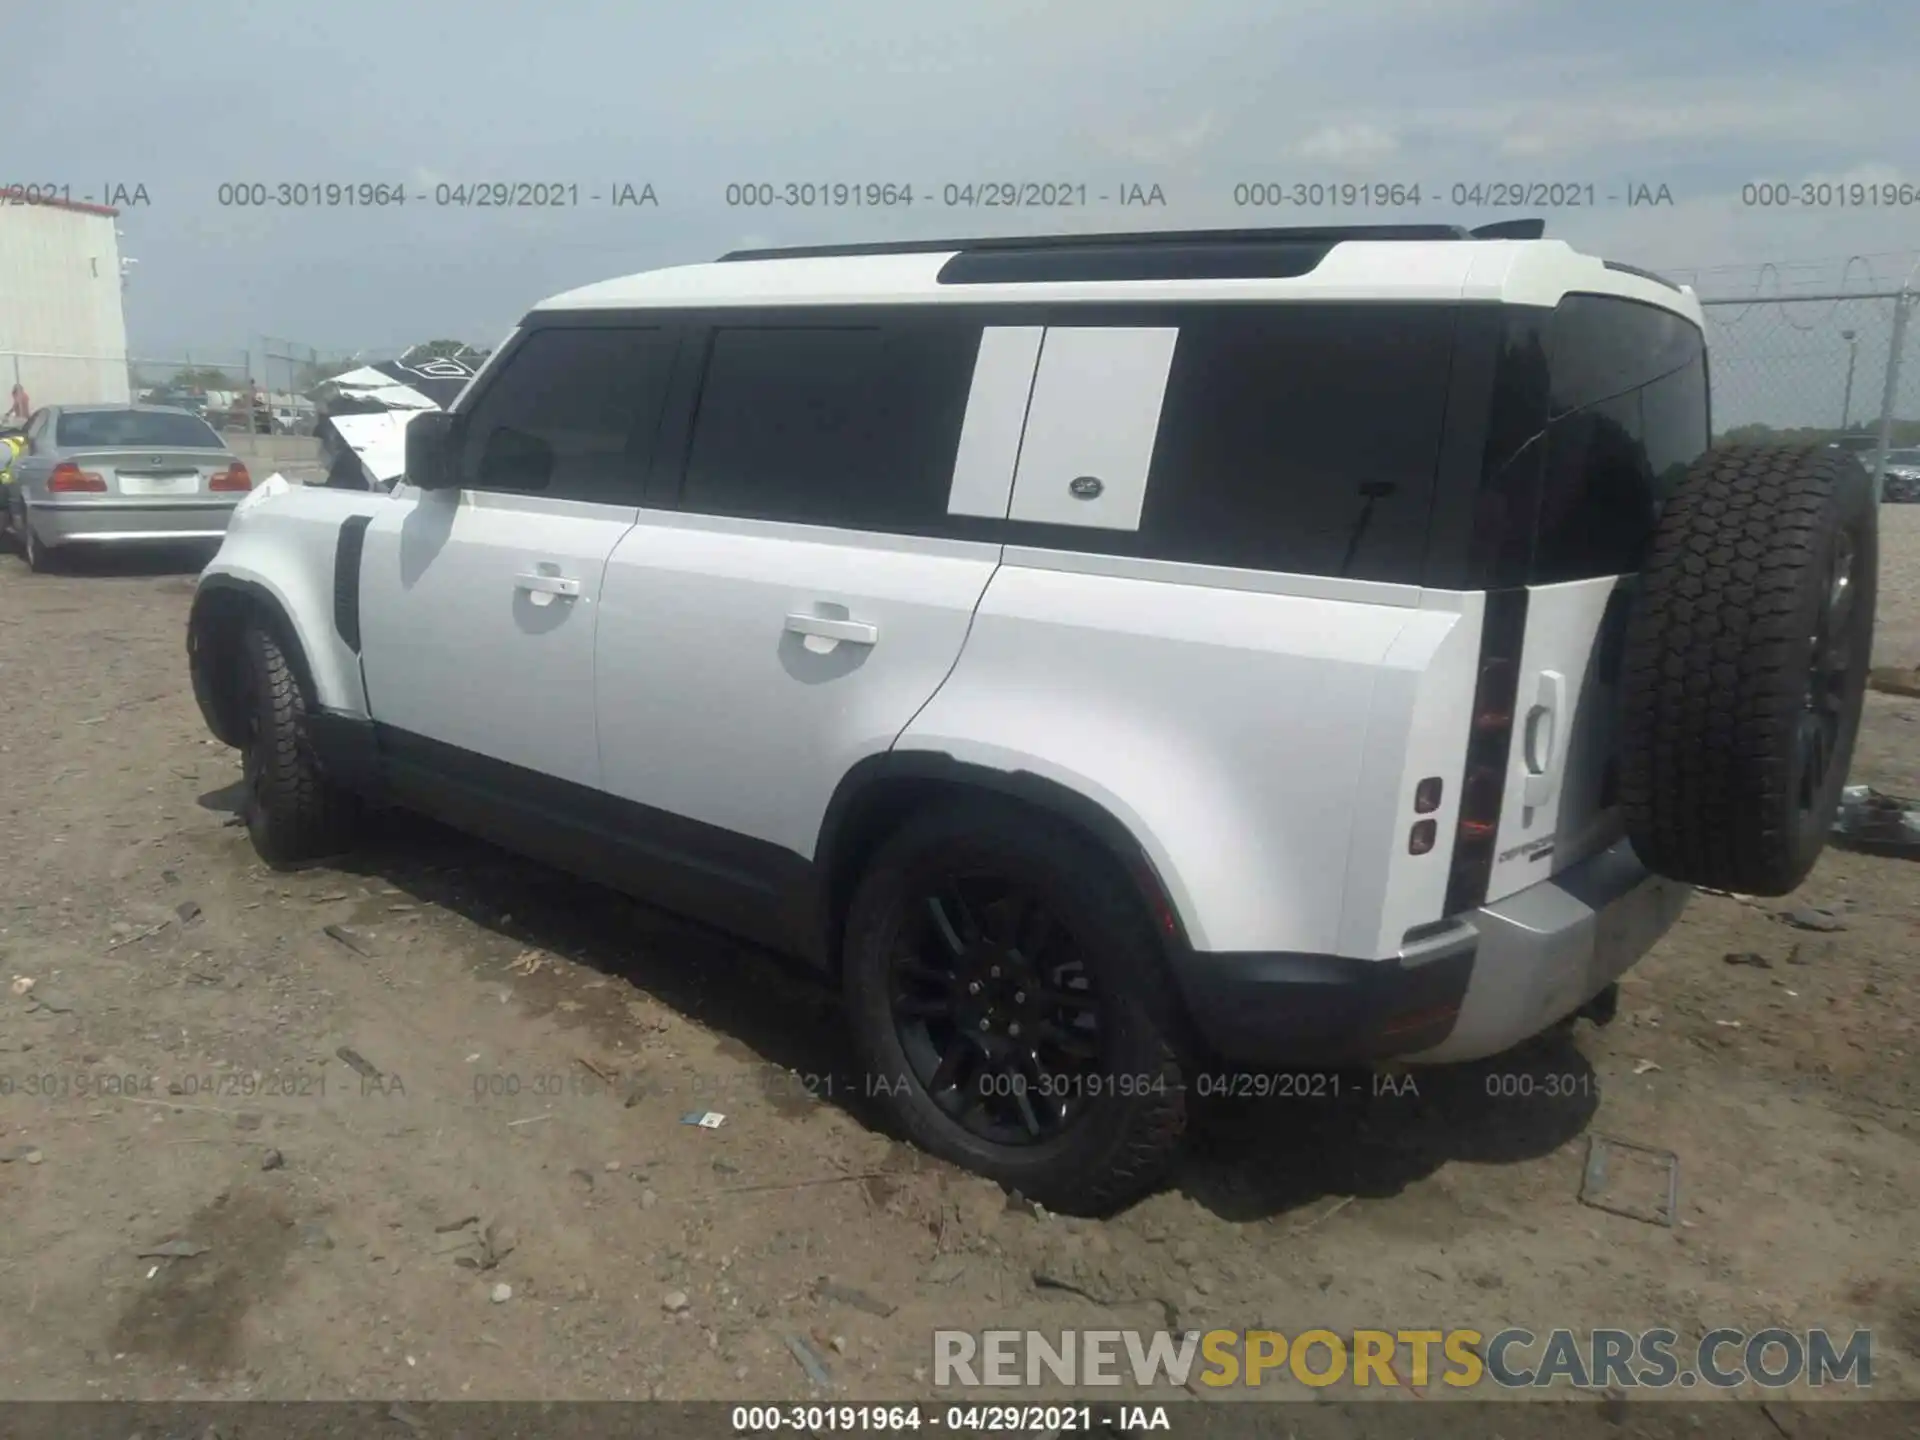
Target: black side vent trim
(346, 579)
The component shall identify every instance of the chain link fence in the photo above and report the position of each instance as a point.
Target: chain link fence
(1834, 367)
(64, 379)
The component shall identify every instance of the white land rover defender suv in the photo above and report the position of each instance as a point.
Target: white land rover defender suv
(1118, 660)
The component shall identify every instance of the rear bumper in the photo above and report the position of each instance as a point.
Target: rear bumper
(1492, 979)
(112, 519)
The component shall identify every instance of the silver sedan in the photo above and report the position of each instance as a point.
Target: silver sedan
(110, 475)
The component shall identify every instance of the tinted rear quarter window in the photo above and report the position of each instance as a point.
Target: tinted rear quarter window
(133, 429)
(852, 425)
(1301, 439)
(572, 415)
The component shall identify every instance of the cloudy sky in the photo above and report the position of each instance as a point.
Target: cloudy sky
(1195, 96)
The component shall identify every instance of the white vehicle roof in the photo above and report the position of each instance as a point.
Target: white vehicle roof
(1514, 272)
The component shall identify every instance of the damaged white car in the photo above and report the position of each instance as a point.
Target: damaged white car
(363, 430)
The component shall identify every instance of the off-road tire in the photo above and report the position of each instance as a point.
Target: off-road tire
(1123, 1146)
(1719, 666)
(293, 812)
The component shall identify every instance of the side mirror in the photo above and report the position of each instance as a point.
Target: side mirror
(433, 450)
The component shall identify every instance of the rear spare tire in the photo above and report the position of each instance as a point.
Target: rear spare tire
(1745, 666)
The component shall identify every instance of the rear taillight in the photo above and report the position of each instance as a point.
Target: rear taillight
(234, 477)
(69, 479)
(1503, 630)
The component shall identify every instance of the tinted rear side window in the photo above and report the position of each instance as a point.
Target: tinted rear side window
(572, 415)
(851, 425)
(1301, 438)
(1600, 345)
(133, 430)
(1629, 403)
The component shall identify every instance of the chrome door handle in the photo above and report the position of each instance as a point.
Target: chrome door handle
(547, 585)
(854, 632)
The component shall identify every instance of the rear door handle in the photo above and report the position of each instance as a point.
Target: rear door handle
(1542, 740)
(543, 587)
(855, 632)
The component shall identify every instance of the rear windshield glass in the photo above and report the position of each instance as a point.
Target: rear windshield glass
(134, 429)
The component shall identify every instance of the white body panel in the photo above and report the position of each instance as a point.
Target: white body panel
(471, 636)
(1095, 414)
(1225, 728)
(717, 706)
(282, 538)
(1416, 727)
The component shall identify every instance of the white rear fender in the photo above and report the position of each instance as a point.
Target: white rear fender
(1225, 729)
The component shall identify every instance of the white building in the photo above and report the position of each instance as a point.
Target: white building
(63, 331)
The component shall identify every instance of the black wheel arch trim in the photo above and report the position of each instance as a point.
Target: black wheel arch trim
(260, 601)
(889, 767)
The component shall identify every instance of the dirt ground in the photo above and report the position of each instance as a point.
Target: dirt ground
(377, 1093)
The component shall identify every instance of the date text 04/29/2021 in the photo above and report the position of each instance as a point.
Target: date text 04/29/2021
(1054, 1420)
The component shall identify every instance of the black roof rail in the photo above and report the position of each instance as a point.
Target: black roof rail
(1134, 240)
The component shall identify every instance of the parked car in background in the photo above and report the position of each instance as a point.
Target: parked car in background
(99, 475)
(1902, 485)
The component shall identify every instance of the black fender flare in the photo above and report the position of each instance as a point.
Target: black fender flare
(847, 828)
(216, 595)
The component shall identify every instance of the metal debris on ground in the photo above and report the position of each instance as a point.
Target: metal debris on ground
(175, 1250)
(1748, 957)
(1018, 1204)
(826, 1289)
(705, 1119)
(810, 1362)
(141, 934)
(528, 962)
(358, 1063)
(493, 1245)
(1811, 917)
(1878, 824)
(1610, 1164)
(1043, 1281)
(343, 936)
(1644, 1067)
